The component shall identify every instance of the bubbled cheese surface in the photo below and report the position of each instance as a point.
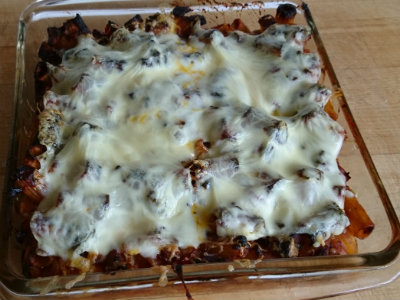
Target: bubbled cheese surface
(122, 124)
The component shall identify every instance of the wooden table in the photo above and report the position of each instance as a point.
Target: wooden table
(362, 38)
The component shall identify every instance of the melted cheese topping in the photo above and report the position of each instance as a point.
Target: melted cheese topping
(123, 124)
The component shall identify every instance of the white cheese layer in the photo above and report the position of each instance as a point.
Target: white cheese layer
(122, 125)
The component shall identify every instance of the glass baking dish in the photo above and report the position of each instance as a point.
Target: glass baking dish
(294, 278)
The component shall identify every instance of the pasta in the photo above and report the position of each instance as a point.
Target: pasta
(161, 142)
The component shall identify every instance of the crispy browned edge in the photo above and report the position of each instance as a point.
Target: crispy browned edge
(215, 249)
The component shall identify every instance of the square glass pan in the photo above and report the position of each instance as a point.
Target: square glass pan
(296, 278)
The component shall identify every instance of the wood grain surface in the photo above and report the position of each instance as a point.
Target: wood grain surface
(362, 38)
